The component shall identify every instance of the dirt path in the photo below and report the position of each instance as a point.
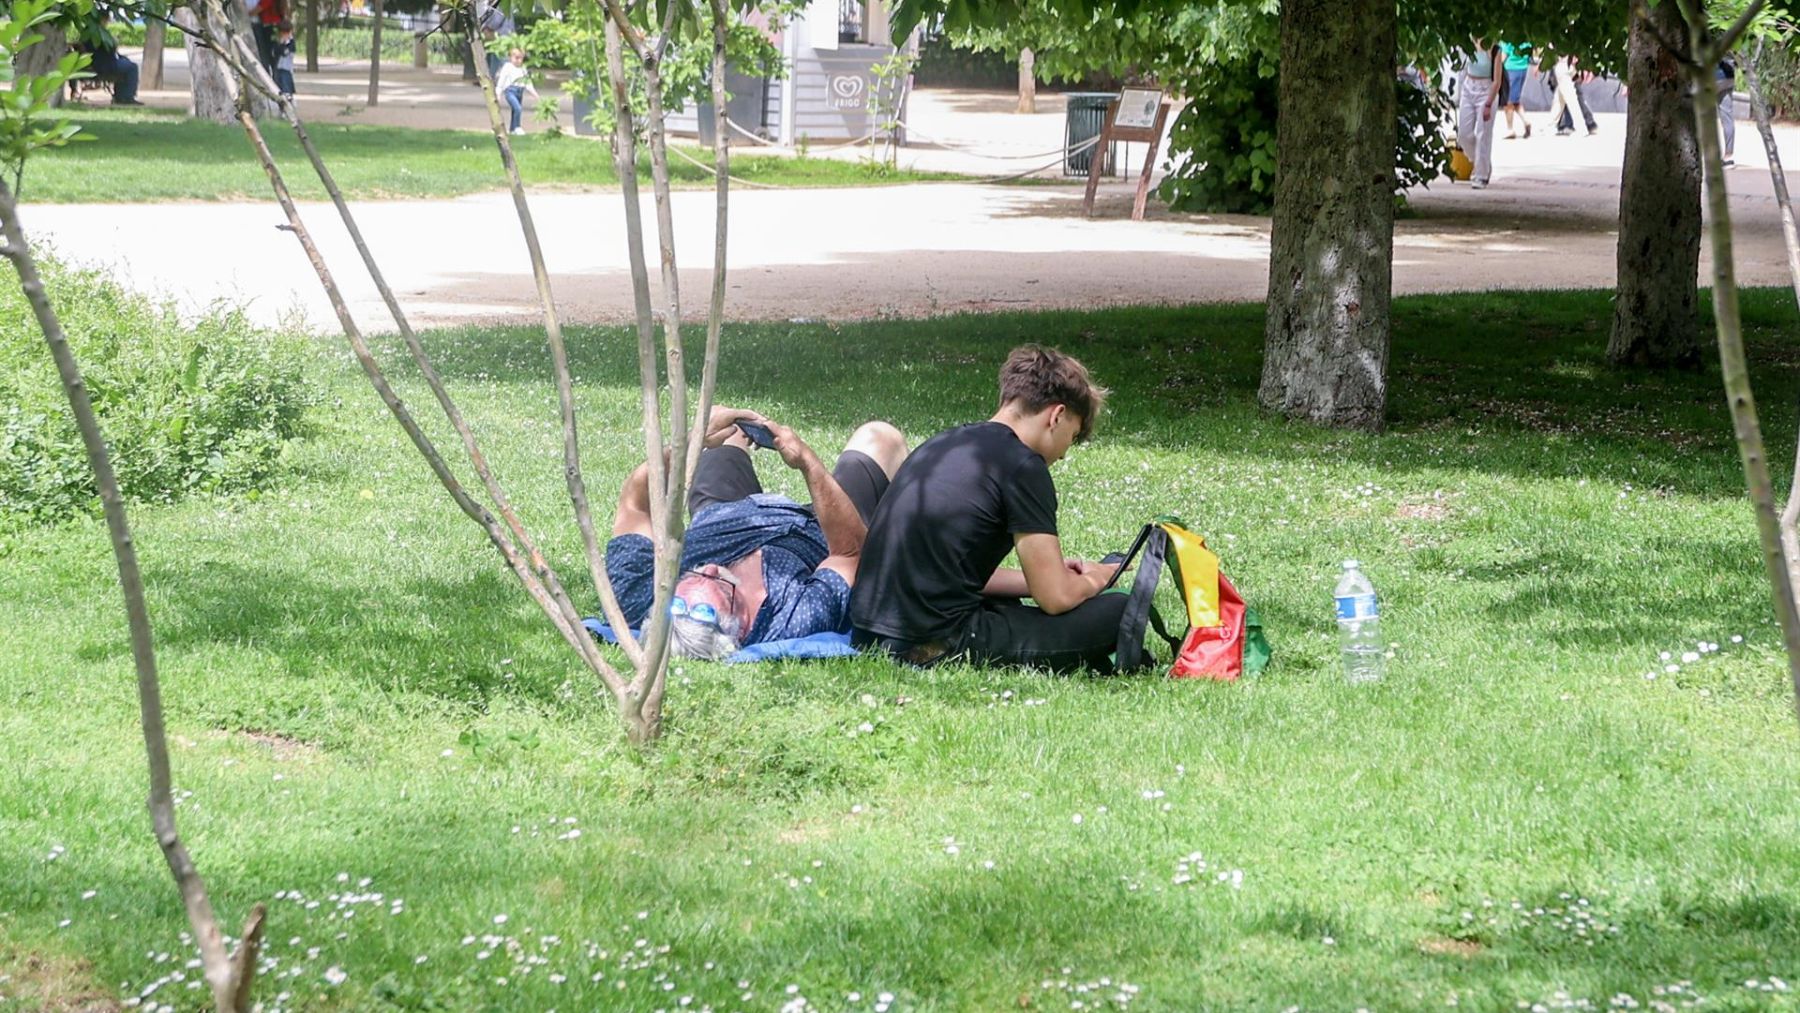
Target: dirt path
(1549, 221)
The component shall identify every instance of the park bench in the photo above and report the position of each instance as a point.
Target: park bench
(80, 87)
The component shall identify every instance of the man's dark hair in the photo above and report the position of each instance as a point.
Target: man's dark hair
(1036, 377)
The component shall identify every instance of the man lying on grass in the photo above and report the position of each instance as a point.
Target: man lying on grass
(756, 566)
(931, 587)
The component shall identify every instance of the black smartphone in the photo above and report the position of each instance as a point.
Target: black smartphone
(759, 434)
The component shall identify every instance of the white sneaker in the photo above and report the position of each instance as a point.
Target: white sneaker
(517, 131)
(1480, 184)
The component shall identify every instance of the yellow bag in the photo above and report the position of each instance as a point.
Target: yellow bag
(1461, 169)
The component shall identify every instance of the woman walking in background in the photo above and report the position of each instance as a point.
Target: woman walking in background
(1477, 90)
(1727, 77)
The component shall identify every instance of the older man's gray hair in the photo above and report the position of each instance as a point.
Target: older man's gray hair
(691, 638)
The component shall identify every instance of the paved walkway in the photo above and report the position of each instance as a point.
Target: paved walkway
(1549, 221)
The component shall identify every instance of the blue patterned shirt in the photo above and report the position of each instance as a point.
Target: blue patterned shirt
(802, 599)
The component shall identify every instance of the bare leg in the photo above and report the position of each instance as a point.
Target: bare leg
(884, 444)
(1523, 121)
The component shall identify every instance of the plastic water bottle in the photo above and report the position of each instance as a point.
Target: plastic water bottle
(1359, 625)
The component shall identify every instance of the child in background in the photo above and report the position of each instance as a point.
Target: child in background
(284, 60)
(512, 84)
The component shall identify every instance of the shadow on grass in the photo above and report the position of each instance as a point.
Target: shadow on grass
(1498, 383)
(410, 636)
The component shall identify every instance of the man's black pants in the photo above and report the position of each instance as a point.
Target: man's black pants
(725, 475)
(1006, 631)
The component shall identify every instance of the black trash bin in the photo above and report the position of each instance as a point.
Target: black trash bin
(747, 107)
(1085, 118)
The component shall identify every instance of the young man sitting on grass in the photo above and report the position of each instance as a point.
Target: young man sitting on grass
(756, 566)
(931, 586)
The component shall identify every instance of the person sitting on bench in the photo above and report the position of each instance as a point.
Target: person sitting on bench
(756, 566)
(106, 63)
(931, 587)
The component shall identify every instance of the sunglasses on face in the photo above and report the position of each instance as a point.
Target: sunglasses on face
(701, 611)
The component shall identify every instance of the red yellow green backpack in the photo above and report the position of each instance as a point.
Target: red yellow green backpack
(1224, 637)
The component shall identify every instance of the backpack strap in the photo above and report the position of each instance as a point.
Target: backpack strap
(1162, 630)
(1129, 653)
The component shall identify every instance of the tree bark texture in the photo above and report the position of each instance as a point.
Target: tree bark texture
(155, 33)
(375, 58)
(42, 56)
(214, 85)
(312, 36)
(1027, 81)
(1656, 315)
(1325, 339)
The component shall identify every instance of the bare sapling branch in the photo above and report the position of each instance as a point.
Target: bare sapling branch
(625, 164)
(619, 18)
(1733, 362)
(1728, 39)
(243, 962)
(252, 72)
(573, 632)
(715, 315)
(669, 538)
(559, 359)
(214, 961)
(1752, 66)
(715, 310)
(667, 566)
(673, 350)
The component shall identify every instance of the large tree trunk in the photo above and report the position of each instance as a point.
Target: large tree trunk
(214, 88)
(1656, 317)
(1027, 81)
(152, 73)
(42, 56)
(1325, 341)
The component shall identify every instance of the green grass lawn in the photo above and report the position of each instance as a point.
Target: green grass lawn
(152, 155)
(374, 732)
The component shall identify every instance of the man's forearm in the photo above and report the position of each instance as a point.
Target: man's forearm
(1007, 583)
(843, 526)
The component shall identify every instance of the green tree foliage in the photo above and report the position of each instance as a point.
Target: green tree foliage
(1223, 58)
(571, 39)
(24, 127)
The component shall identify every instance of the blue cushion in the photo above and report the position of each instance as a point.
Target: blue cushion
(819, 645)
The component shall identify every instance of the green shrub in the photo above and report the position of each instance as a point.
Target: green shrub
(1225, 141)
(126, 33)
(352, 42)
(204, 407)
(1780, 79)
(1422, 155)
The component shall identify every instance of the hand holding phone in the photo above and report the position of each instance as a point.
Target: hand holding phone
(758, 434)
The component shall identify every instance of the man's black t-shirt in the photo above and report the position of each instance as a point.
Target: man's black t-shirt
(944, 526)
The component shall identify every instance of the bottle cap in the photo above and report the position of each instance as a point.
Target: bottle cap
(1351, 564)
